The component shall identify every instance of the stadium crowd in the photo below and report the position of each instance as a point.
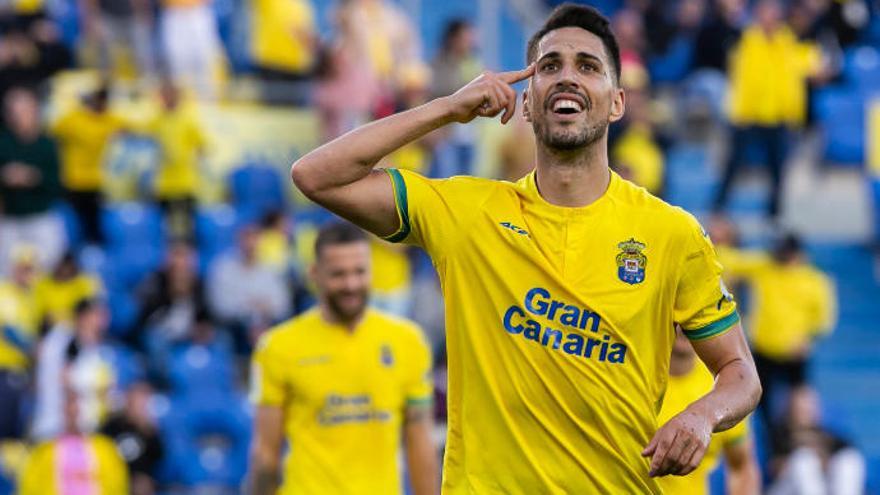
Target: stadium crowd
(127, 327)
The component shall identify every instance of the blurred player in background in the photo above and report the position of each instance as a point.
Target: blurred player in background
(340, 382)
(688, 381)
(562, 290)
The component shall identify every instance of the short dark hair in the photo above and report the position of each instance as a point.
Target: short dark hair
(584, 17)
(338, 232)
(454, 28)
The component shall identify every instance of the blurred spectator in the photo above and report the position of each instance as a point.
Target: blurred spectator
(383, 36)
(793, 303)
(284, 43)
(171, 298)
(58, 293)
(717, 37)
(84, 133)
(182, 143)
(455, 65)
(76, 462)
(120, 32)
(391, 286)
(77, 358)
(768, 78)
(636, 155)
(689, 379)
(137, 439)
(19, 327)
(672, 59)
(516, 150)
(30, 52)
(191, 44)
(630, 32)
(274, 247)
(246, 295)
(29, 182)
(808, 458)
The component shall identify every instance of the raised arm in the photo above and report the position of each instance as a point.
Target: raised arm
(340, 177)
(679, 445)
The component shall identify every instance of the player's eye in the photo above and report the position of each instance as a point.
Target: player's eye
(589, 67)
(549, 66)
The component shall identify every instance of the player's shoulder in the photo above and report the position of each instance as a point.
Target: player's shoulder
(395, 327)
(672, 219)
(285, 335)
(466, 187)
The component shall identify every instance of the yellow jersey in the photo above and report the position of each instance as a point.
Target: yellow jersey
(181, 139)
(19, 324)
(560, 324)
(56, 299)
(343, 394)
(74, 464)
(282, 34)
(681, 392)
(84, 136)
(791, 304)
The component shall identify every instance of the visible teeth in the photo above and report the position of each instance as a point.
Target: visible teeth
(563, 103)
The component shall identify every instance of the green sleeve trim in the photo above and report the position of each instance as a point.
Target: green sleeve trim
(423, 401)
(402, 205)
(713, 329)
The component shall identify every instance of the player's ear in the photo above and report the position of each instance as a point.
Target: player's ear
(618, 105)
(526, 112)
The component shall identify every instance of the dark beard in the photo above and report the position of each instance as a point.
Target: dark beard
(567, 140)
(345, 314)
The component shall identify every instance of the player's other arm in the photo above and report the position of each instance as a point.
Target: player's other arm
(265, 456)
(421, 453)
(679, 445)
(743, 473)
(340, 177)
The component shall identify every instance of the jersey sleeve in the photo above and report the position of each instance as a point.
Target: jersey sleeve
(267, 378)
(419, 382)
(433, 212)
(703, 306)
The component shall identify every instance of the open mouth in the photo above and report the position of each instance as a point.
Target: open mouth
(566, 104)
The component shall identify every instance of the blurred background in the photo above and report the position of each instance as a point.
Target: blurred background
(149, 232)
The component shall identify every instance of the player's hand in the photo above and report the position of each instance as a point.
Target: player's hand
(679, 445)
(488, 95)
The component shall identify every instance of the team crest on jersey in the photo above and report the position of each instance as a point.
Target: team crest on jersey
(386, 357)
(631, 262)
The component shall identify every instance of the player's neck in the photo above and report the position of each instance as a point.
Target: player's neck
(332, 317)
(681, 366)
(575, 178)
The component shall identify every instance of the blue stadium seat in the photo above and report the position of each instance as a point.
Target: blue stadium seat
(71, 223)
(862, 68)
(256, 189)
(129, 367)
(200, 370)
(208, 441)
(132, 224)
(124, 311)
(216, 227)
(841, 112)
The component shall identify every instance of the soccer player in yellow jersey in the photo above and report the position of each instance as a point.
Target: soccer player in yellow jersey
(562, 290)
(340, 382)
(688, 381)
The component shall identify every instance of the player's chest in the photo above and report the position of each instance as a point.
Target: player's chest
(348, 374)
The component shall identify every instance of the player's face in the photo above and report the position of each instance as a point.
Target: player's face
(342, 275)
(573, 95)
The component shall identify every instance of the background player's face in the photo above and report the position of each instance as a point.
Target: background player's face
(573, 95)
(342, 275)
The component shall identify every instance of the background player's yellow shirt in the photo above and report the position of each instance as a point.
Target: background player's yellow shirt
(680, 393)
(559, 327)
(343, 394)
(84, 136)
(792, 304)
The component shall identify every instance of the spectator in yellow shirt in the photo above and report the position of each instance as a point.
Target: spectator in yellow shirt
(283, 47)
(769, 69)
(182, 142)
(84, 134)
(793, 304)
(18, 333)
(75, 462)
(58, 293)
